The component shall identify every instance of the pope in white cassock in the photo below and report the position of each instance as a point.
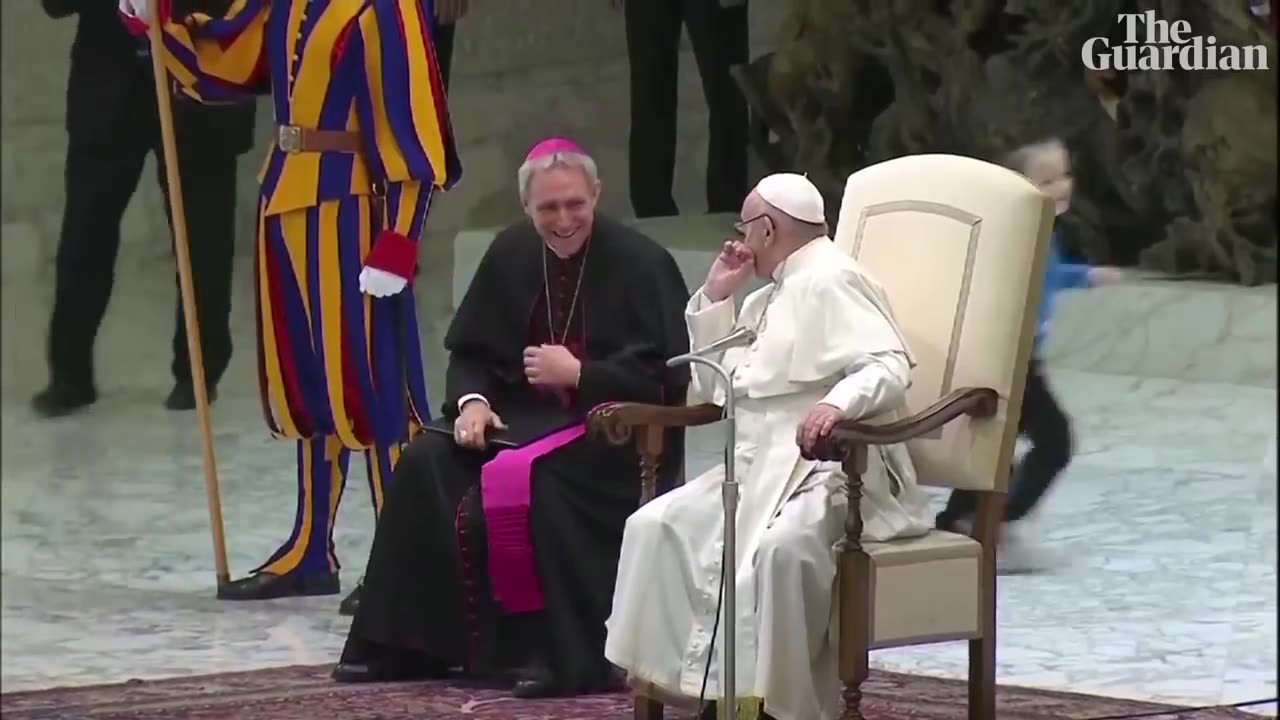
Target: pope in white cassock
(827, 348)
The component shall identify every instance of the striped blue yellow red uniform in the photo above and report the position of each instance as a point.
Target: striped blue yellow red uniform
(338, 370)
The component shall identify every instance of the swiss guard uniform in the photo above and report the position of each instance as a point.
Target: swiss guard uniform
(362, 143)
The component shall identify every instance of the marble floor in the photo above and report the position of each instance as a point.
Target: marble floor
(1165, 524)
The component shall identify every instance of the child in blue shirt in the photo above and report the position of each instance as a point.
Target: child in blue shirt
(1048, 165)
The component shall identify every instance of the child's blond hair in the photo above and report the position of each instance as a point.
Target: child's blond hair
(1019, 160)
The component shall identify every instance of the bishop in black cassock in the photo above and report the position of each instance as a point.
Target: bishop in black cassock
(427, 606)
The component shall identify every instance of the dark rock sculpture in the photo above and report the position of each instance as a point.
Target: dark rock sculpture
(1176, 170)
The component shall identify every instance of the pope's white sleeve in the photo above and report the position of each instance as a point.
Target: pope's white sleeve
(873, 384)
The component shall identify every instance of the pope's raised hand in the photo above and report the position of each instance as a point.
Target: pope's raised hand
(732, 267)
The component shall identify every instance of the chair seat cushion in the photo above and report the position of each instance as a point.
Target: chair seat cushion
(922, 590)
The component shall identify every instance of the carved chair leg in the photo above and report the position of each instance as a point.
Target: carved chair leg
(982, 651)
(855, 633)
(982, 678)
(853, 691)
(855, 593)
(647, 709)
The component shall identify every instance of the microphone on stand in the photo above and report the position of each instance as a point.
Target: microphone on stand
(738, 338)
(729, 492)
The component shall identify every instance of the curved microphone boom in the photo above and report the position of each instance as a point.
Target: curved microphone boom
(738, 338)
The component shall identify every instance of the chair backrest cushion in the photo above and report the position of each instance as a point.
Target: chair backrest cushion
(960, 247)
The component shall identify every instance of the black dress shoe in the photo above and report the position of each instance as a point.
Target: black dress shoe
(62, 399)
(395, 668)
(351, 603)
(535, 682)
(183, 396)
(534, 689)
(267, 586)
(354, 673)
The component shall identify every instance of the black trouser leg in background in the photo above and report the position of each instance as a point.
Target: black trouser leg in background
(100, 178)
(719, 38)
(444, 51)
(208, 178)
(1049, 430)
(653, 53)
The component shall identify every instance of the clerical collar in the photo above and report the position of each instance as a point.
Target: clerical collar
(797, 260)
(574, 258)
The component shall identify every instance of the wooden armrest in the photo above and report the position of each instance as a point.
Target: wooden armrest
(617, 421)
(974, 402)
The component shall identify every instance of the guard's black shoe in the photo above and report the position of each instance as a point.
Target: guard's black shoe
(268, 586)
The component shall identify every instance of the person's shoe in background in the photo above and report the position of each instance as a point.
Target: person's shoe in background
(1021, 551)
(60, 399)
(183, 397)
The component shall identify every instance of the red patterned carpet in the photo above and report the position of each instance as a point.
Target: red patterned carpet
(307, 693)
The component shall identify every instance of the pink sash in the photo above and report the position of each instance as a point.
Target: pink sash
(505, 485)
